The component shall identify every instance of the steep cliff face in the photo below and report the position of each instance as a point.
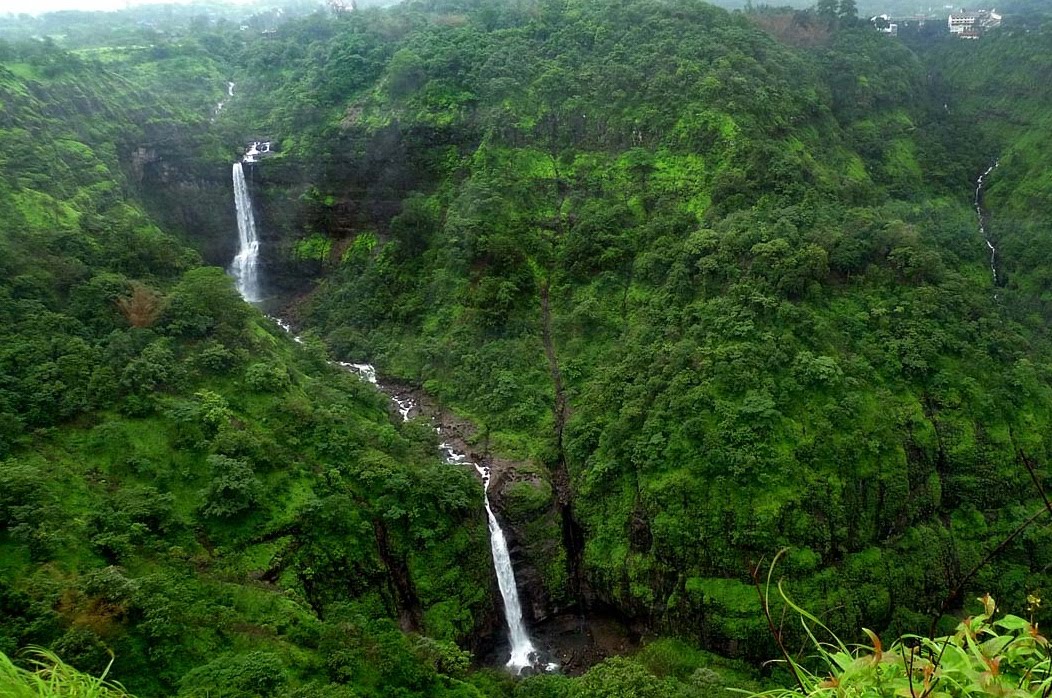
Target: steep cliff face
(314, 205)
(188, 196)
(522, 495)
(289, 212)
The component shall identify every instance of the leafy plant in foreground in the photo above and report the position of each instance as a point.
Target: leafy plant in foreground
(987, 655)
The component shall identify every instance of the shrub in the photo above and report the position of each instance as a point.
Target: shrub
(233, 489)
(267, 378)
(254, 675)
(204, 304)
(619, 677)
(524, 500)
(214, 357)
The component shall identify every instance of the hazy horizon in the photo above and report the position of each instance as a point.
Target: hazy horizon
(36, 7)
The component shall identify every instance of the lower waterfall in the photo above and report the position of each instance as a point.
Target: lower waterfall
(523, 652)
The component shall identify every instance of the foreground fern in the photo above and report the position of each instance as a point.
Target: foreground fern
(1004, 657)
(53, 678)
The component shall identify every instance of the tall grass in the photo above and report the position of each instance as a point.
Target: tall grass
(50, 677)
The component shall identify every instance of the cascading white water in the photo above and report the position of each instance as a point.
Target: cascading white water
(245, 267)
(258, 148)
(982, 222)
(523, 652)
(222, 103)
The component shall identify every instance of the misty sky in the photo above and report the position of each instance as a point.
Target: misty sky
(38, 6)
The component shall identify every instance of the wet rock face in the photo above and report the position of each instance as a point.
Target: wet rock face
(524, 499)
(141, 158)
(289, 208)
(640, 537)
(579, 641)
(359, 185)
(188, 197)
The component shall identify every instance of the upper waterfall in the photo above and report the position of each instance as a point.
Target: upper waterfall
(245, 267)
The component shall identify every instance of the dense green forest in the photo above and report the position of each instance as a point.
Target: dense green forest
(180, 486)
(706, 285)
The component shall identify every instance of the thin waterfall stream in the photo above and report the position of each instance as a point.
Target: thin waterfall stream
(222, 103)
(981, 214)
(245, 270)
(523, 653)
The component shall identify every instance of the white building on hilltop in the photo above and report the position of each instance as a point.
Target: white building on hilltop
(971, 24)
(884, 25)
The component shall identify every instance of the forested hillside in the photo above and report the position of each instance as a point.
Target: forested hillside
(728, 294)
(180, 484)
(706, 285)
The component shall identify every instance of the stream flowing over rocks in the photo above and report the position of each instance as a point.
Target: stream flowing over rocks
(222, 103)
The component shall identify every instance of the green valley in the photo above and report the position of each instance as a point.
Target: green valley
(709, 299)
